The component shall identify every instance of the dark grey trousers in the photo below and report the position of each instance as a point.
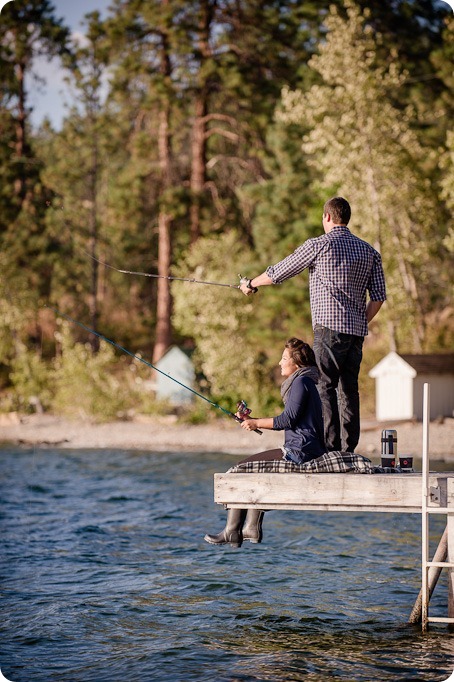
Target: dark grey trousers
(339, 358)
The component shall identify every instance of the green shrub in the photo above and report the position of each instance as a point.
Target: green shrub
(85, 384)
(219, 323)
(30, 379)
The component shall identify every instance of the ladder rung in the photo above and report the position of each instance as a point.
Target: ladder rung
(440, 564)
(440, 620)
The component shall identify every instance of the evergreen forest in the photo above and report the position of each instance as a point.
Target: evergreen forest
(203, 139)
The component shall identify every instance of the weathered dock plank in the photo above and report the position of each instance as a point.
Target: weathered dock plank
(331, 492)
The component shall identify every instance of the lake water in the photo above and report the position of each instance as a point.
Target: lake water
(106, 578)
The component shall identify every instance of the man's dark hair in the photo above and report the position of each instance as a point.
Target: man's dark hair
(301, 353)
(339, 210)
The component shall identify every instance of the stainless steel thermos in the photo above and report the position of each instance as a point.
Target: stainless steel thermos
(389, 456)
(389, 448)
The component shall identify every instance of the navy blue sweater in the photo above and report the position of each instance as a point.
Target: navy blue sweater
(302, 420)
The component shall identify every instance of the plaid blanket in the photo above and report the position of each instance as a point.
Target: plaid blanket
(330, 462)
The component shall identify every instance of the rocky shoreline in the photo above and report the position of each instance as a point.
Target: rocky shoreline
(165, 434)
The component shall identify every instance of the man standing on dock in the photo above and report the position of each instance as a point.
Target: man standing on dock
(342, 269)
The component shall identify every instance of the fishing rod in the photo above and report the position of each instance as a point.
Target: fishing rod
(149, 274)
(242, 406)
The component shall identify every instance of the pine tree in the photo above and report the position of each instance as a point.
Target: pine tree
(90, 62)
(143, 39)
(244, 54)
(360, 143)
(77, 172)
(28, 29)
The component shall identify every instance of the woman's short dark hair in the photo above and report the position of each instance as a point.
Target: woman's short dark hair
(301, 353)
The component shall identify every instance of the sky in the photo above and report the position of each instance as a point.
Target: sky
(52, 98)
(49, 100)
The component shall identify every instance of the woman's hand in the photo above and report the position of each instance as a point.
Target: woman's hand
(249, 424)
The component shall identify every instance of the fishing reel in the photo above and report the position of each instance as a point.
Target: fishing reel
(242, 410)
(247, 282)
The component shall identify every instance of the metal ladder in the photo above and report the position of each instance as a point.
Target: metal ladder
(425, 512)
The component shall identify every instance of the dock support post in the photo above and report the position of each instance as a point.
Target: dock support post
(424, 505)
(448, 509)
(434, 573)
(450, 529)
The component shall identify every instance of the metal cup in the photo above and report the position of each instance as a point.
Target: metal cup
(406, 463)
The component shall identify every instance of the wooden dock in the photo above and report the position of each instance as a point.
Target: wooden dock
(424, 493)
(334, 492)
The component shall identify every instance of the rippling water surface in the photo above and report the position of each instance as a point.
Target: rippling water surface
(106, 578)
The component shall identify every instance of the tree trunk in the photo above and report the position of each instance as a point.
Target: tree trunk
(198, 164)
(376, 212)
(163, 335)
(93, 300)
(199, 137)
(19, 184)
(93, 182)
(409, 281)
(164, 302)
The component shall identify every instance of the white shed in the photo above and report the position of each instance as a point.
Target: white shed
(177, 365)
(399, 381)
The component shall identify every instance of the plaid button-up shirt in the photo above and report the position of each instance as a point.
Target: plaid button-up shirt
(342, 268)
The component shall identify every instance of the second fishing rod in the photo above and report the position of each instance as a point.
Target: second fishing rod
(242, 408)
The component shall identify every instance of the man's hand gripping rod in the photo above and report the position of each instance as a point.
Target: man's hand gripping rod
(247, 282)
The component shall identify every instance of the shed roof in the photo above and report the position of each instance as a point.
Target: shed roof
(435, 363)
(172, 355)
(412, 365)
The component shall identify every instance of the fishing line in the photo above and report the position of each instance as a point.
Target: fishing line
(145, 362)
(192, 280)
(149, 274)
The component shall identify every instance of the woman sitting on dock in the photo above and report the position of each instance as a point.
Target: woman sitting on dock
(302, 423)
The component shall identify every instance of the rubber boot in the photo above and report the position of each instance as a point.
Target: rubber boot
(232, 533)
(252, 529)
